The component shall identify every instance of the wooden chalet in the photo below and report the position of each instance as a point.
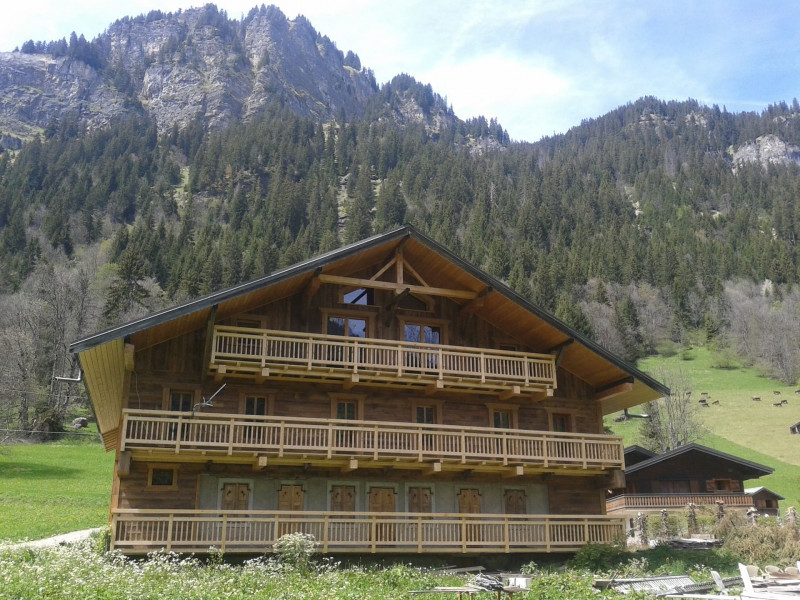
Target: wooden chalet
(384, 397)
(689, 474)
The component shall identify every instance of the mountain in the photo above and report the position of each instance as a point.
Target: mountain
(193, 64)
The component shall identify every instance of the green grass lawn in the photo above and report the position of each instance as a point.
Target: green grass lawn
(756, 431)
(53, 488)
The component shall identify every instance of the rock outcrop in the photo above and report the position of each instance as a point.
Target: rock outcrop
(766, 150)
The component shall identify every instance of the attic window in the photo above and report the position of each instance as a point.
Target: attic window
(360, 297)
(412, 302)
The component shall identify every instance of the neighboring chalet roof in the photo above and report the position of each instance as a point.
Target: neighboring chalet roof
(617, 384)
(635, 454)
(761, 489)
(748, 469)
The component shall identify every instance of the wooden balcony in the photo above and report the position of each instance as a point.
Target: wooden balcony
(356, 444)
(639, 502)
(259, 354)
(142, 531)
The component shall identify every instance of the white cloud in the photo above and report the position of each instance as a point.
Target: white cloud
(496, 85)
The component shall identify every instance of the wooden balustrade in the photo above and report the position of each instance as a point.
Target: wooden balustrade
(659, 501)
(145, 530)
(260, 353)
(369, 440)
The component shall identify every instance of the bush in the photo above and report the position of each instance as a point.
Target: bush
(599, 558)
(766, 542)
(295, 550)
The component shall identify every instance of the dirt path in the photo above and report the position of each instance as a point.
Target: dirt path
(56, 540)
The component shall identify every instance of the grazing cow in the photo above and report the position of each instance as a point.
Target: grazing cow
(715, 402)
(776, 392)
(784, 401)
(704, 393)
(757, 398)
(777, 404)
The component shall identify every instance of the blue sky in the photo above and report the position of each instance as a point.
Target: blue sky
(538, 66)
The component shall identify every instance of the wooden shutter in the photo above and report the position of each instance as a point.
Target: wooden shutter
(419, 500)
(343, 498)
(290, 497)
(235, 496)
(515, 502)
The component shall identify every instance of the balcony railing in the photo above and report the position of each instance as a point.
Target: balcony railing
(313, 439)
(261, 354)
(142, 531)
(659, 501)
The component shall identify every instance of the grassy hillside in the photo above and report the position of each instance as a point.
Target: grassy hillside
(53, 488)
(754, 430)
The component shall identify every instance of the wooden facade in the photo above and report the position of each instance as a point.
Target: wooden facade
(386, 397)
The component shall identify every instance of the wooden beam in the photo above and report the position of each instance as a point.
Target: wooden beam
(313, 285)
(351, 465)
(129, 356)
(124, 463)
(221, 370)
(432, 389)
(560, 350)
(349, 383)
(209, 340)
(517, 471)
(398, 287)
(514, 390)
(615, 389)
(416, 275)
(477, 303)
(434, 468)
(390, 308)
(260, 464)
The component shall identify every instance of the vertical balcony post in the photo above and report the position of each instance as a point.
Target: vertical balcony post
(169, 531)
(231, 434)
(331, 437)
(124, 431)
(179, 434)
(264, 353)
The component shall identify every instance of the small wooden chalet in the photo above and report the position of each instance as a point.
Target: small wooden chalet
(384, 397)
(689, 474)
(765, 500)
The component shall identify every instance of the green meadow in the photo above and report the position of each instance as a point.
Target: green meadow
(53, 488)
(754, 430)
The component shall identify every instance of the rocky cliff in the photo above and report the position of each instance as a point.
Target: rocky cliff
(188, 65)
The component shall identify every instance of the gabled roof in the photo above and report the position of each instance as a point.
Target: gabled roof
(756, 490)
(635, 454)
(617, 384)
(750, 470)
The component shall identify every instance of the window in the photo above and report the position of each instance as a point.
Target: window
(346, 410)
(426, 414)
(346, 406)
(347, 326)
(162, 477)
(255, 405)
(181, 401)
(412, 302)
(561, 422)
(502, 419)
(503, 416)
(360, 297)
(427, 334)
